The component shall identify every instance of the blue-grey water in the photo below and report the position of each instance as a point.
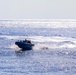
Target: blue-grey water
(59, 37)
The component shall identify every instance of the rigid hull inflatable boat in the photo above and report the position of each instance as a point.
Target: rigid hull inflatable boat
(24, 44)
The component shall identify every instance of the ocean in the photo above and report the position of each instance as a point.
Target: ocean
(54, 52)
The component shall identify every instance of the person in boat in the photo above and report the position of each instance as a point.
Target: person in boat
(28, 41)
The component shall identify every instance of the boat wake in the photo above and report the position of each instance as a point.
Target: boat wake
(42, 42)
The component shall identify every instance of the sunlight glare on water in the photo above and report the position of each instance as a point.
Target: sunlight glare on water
(54, 52)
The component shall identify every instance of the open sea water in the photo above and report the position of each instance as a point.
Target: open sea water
(54, 52)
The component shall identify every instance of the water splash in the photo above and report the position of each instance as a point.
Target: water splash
(14, 47)
(42, 42)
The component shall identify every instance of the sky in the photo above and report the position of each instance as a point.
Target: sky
(37, 9)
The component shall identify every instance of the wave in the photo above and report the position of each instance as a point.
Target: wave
(43, 42)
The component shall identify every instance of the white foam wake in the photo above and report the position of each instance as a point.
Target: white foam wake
(42, 42)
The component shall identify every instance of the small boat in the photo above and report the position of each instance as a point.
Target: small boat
(24, 44)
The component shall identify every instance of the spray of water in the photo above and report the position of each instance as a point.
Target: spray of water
(14, 47)
(48, 42)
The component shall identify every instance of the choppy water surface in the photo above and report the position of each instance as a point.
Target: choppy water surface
(58, 59)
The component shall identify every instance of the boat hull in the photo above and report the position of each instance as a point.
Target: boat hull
(24, 46)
